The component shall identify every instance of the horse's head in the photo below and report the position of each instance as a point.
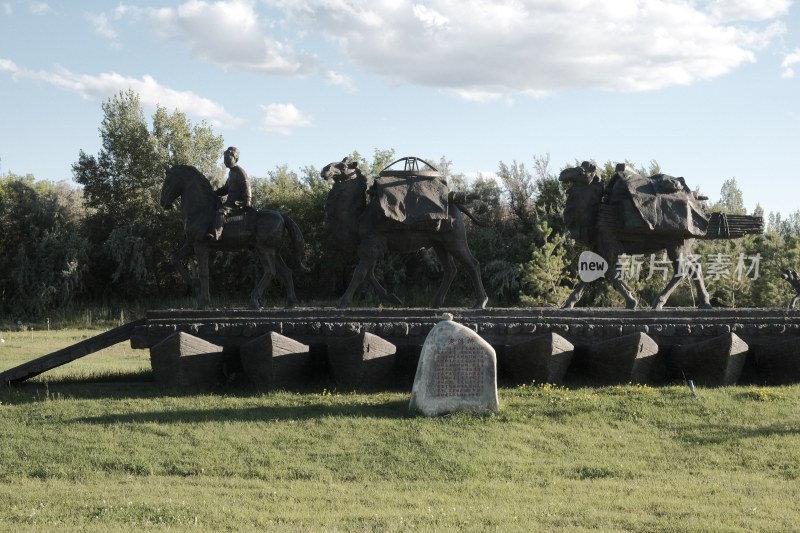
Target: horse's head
(584, 174)
(343, 170)
(172, 187)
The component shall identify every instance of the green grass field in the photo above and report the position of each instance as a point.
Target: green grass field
(97, 447)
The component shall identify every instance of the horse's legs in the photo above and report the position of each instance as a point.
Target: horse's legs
(285, 275)
(450, 271)
(177, 258)
(204, 297)
(575, 296)
(462, 254)
(267, 257)
(794, 302)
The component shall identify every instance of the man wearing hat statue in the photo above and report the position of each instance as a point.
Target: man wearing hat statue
(236, 188)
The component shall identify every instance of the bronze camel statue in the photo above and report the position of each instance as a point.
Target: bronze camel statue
(642, 215)
(355, 223)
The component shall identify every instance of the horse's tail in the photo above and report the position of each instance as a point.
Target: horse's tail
(299, 243)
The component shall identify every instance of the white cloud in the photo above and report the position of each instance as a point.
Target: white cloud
(750, 10)
(39, 8)
(484, 48)
(150, 92)
(480, 96)
(123, 10)
(340, 80)
(429, 17)
(7, 9)
(284, 118)
(101, 25)
(232, 34)
(788, 64)
(6, 65)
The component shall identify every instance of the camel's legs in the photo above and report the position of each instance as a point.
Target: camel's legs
(383, 294)
(576, 295)
(465, 257)
(365, 265)
(679, 274)
(630, 300)
(450, 271)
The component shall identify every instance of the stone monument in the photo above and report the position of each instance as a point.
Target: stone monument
(457, 371)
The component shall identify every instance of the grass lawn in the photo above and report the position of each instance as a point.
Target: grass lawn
(95, 446)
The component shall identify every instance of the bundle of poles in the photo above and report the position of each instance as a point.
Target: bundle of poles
(721, 226)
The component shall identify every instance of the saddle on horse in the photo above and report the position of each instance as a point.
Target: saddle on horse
(233, 223)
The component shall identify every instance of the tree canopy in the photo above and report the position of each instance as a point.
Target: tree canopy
(130, 235)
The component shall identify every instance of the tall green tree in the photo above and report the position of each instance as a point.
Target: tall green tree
(45, 252)
(731, 199)
(520, 188)
(545, 276)
(130, 234)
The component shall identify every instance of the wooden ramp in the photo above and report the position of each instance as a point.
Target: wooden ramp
(70, 353)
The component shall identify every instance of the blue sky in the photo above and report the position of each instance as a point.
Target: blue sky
(708, 89)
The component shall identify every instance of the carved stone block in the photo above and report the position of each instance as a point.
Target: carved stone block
(625, 359)
(717, 361)
(543, 359)
(273, 361)
(184, 361)
(363, 361)
(778, 363)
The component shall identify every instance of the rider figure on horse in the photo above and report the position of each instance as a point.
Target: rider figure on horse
(236, 188)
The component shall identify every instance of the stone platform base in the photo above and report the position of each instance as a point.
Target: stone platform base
(595, 346)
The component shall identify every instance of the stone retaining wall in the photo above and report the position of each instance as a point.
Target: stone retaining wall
(586, 328)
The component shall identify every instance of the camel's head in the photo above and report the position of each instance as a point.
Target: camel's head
(584, 174)
(343, 170)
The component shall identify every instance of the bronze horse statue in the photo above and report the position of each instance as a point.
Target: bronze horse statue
(354, 223)
(262, 230)
(642, 215)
